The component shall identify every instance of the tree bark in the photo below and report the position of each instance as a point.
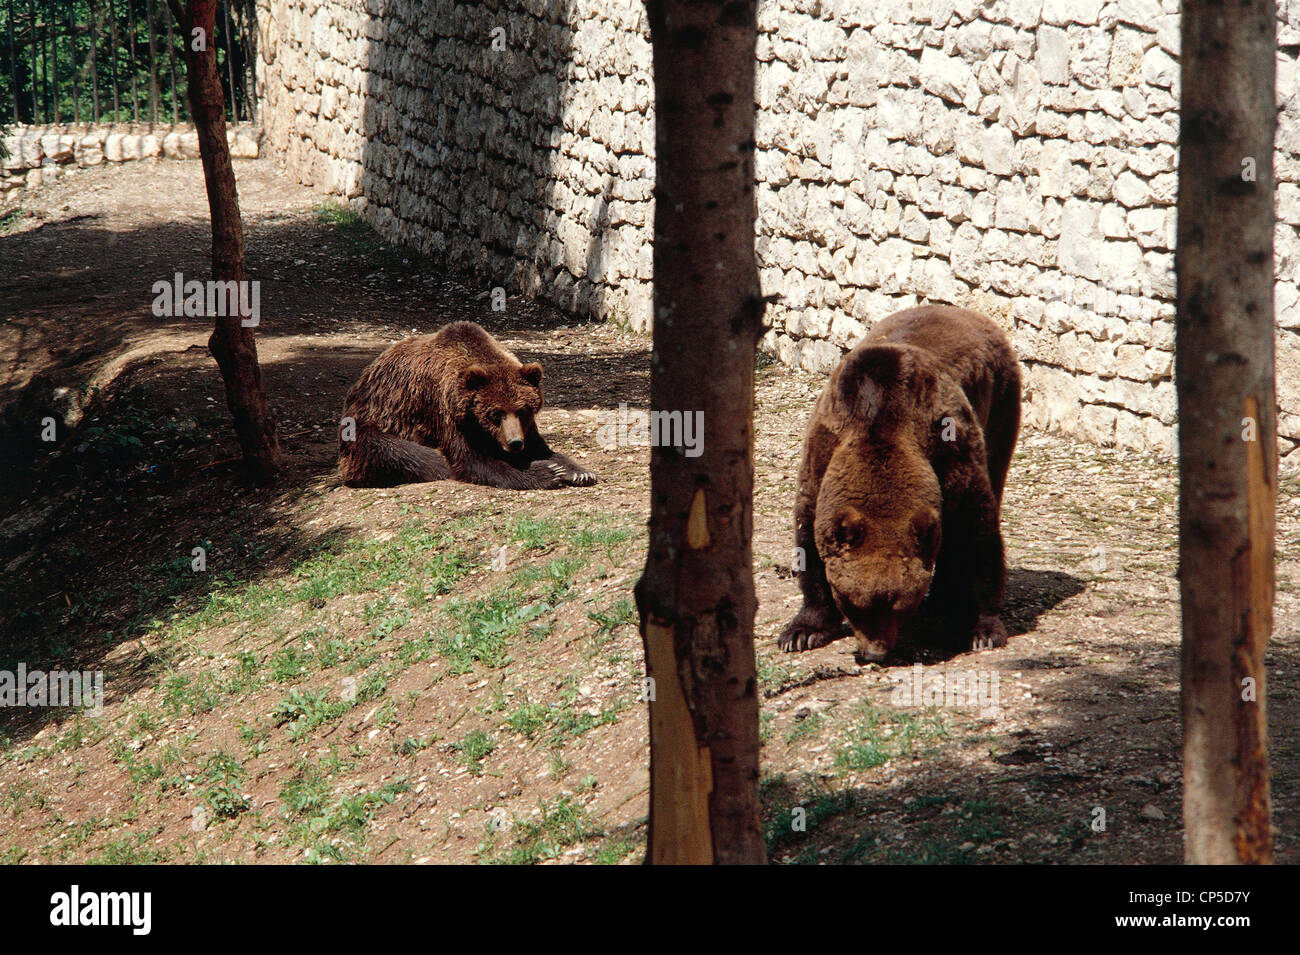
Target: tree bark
(696, 596)
(135, 70)
(232, 344)
(154, 92)
(1227, 424)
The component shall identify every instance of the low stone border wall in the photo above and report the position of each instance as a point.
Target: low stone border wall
(38, 153)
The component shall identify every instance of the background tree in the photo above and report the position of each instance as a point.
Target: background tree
(231, 343)
(696, 597)
(1227, 425)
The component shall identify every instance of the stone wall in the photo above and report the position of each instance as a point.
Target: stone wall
(38, 153)
(1015, 156)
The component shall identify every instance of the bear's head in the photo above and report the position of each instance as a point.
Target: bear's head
(879, 520)
(503, 402)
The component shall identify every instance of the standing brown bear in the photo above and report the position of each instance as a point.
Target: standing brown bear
(454, 404)
(901, 483)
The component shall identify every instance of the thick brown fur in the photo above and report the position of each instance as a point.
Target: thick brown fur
(900, 488)
(454, 404)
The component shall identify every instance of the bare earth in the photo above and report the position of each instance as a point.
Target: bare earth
(351, 678)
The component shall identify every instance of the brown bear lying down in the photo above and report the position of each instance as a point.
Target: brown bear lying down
(901, 483)
(450, 405)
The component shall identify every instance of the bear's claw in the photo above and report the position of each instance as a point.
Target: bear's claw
(580, 478)
(808, 632)
(989, 633)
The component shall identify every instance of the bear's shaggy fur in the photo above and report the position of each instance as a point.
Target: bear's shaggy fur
(454, 404)
(900, 488)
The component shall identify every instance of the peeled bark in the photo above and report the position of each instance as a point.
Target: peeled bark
(232, 344)
(1227, 424)
(696, 596)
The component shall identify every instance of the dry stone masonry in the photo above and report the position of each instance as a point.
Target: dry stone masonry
(38, 153)
(1014, 156)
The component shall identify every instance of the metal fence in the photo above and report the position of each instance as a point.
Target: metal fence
(105, 61)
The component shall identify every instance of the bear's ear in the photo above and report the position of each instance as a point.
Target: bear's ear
(532, 373)
(474, 377)
(864, 380)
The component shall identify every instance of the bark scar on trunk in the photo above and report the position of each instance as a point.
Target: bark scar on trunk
(681, 774)
(697, 524)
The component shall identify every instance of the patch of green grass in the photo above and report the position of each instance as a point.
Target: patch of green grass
(974, 823)
(288, 664)
(414, 553)
(224, 797)
(534, 533)
(189, 696)
(527, 719)
(557, 826)
(415, 650)
(11, 220)
(18, 796)
(318, 823)
(806, 728)
(305, 793)
(132, 850)
(557, 723)
(483, 629)
(303, 711)
(474, 748)
(620, 614)
(773, 673)
(336, 213)
(881, 734)
(794, 823)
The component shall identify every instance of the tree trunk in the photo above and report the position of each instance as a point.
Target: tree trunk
(112, 60)
(696, 597)
(154, 93)
(1227, 426)
(72, 45)
(53, 70)
(135, 70)
(231, 344)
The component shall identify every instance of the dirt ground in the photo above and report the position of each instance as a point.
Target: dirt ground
(368, 676)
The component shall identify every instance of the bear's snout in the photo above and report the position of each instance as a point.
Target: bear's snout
(513, 433)
(876, 596)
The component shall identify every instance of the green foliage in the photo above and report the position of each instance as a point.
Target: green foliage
(29, 69)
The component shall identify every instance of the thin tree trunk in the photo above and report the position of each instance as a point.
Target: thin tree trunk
(72, 45)
(13, 61)
(135, 84)
(696, 597)
(94, 68)
(231, 344)
(230, 62)
(171, 54)
(1227, 426)
(247, 36)
(112, 60)
(54, 58)
(154, 94)
(31, 11)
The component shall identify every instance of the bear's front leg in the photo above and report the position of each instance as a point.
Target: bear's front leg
(818, 621)
(539, 476)
(971, 569)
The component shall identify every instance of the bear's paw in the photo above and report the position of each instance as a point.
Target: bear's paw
(989, 633)
(810, 629)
